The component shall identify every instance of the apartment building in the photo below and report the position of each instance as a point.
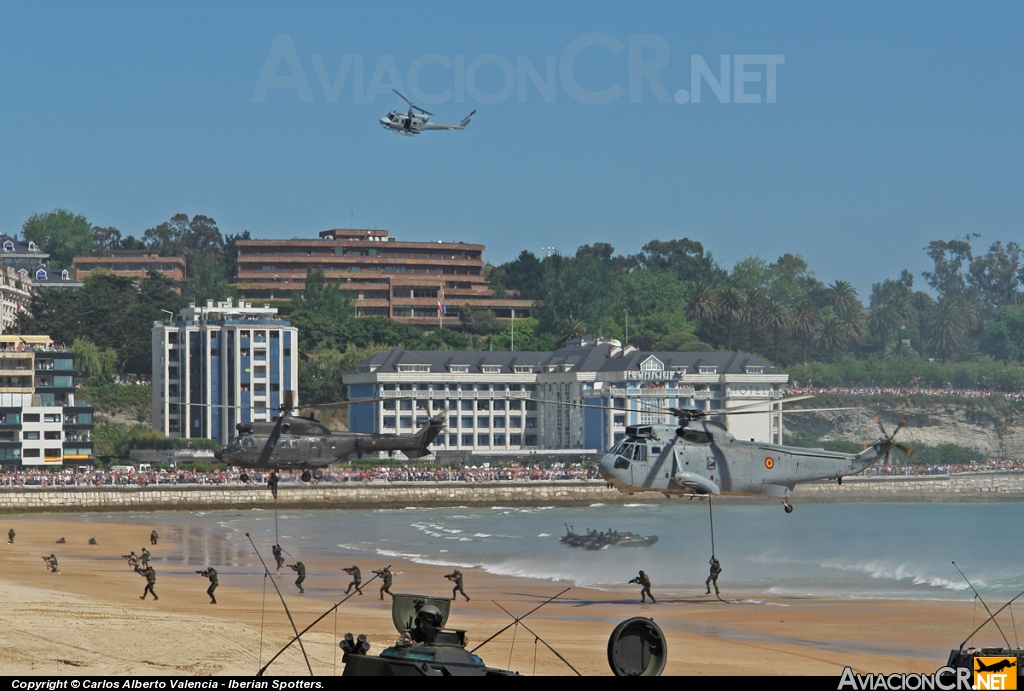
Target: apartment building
(410, 282)
(132, 264)
(220, 364)
(41, 422)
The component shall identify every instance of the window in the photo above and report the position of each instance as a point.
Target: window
(64, 274)
(52, 453)
(453, 421)
(652, 364)
(453, 440)
(523, 369)
(405, 404)
(515, 405)
(754, 369)
(499, 422)
(31, 453)
(54, 434)
(708, 369)
(531, 440)
(8, 246)
(515, 439)
(499, 405)
(620, 420)
(531, 423)
(406, 422)
(467, 422)
(491, 369)
(499, 440)
(41, 275)
(467, 405)
(483, 421)
(483, 405)
(467, 440)
(515, 422)
(413, 368)
(389, 405)
(48, 417)
(458, 369)
(483, 440)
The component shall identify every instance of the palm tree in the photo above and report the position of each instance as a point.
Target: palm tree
(731, 303)
(779, 318)
(571, 328)
(831, 336)
(852, 321)
(922, 306)
(883, 318)
(805, 325)
(752, 313)
(843, 296)
(702, 304)
(947, 328)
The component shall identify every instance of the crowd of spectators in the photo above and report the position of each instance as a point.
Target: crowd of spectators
(384, 474)
(797, 389)
(991, 465)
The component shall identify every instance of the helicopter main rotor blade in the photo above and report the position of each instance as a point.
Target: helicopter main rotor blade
(878, 419)
(402, 96)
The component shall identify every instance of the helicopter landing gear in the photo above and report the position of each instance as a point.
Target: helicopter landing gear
(318, 474)
(787, 506)
(244, 477)
(306, 477)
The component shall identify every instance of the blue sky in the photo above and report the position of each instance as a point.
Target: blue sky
(893, 123)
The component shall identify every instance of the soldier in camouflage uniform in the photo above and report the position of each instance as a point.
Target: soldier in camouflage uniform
(456, 577)
(644, 581)
(386, 576)
(150, 574)
(153, 537)
(357, 578)
(299, 568)
(716, 569)
(278, 556)
(210, 573)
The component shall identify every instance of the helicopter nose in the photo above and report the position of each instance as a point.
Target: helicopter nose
(604, 466)
(384, 121)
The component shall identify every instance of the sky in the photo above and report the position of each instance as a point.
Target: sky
(849, 133)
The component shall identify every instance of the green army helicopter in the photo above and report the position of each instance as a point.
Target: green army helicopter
(699, 457)
(294, 442)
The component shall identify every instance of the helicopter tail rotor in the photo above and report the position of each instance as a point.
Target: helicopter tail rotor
(886, 443)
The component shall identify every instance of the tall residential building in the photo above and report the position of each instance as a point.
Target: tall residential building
(218, 365)
(132, 264)
(410, 282)
(494, 400)
(29, 261)
(41, 422)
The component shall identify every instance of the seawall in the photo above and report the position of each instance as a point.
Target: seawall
(966, 487)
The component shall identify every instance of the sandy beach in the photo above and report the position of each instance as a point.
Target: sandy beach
(89, 620)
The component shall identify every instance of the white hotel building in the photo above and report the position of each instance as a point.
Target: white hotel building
(236, 359)
(487, 395)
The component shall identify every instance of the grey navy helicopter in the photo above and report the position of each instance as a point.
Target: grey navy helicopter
(701, 458)
(417, 120)
(293, 442)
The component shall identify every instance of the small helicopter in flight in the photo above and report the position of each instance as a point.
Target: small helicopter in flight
(700, 457)
(417, 120)
(294, 442)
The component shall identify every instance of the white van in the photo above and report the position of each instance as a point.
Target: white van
(122, 469)
(145, 467)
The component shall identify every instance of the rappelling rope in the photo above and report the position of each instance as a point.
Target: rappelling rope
(711, 515)
(263, 611)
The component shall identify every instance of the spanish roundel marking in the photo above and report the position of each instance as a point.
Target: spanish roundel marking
(769, 463)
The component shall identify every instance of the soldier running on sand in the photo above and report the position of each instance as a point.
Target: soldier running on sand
(153, 537)
(357, 578)
(210, 573)
(10, 536)
(644, 581)
(456, 577)
(150, 575)
(299, 568)
(716, 569)
(386, 576)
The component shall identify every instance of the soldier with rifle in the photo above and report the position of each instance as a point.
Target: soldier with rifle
(357, 578)
(386, 576)
(644, 581)
(210, 573)
(299, 568)
(51, 563)
(456, 577)
(132, 559)
(149, 573)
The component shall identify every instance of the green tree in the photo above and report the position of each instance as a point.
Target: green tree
(995, 275)
(61, 234)
(947, 328)
(209, 281)
(949, 257)
(188, 238)
(527, 337)
(778, 318)
(731, 308)
(94, 366)
(702, 303)
(806, 320)
(831, 336)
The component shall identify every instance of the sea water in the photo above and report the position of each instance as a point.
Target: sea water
(900, 551)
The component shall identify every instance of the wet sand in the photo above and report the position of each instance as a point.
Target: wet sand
(89, 620)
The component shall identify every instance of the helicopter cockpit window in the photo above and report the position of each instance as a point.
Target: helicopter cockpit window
(621, 463)
(640, 452)
(694, 436)
(622, 449)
